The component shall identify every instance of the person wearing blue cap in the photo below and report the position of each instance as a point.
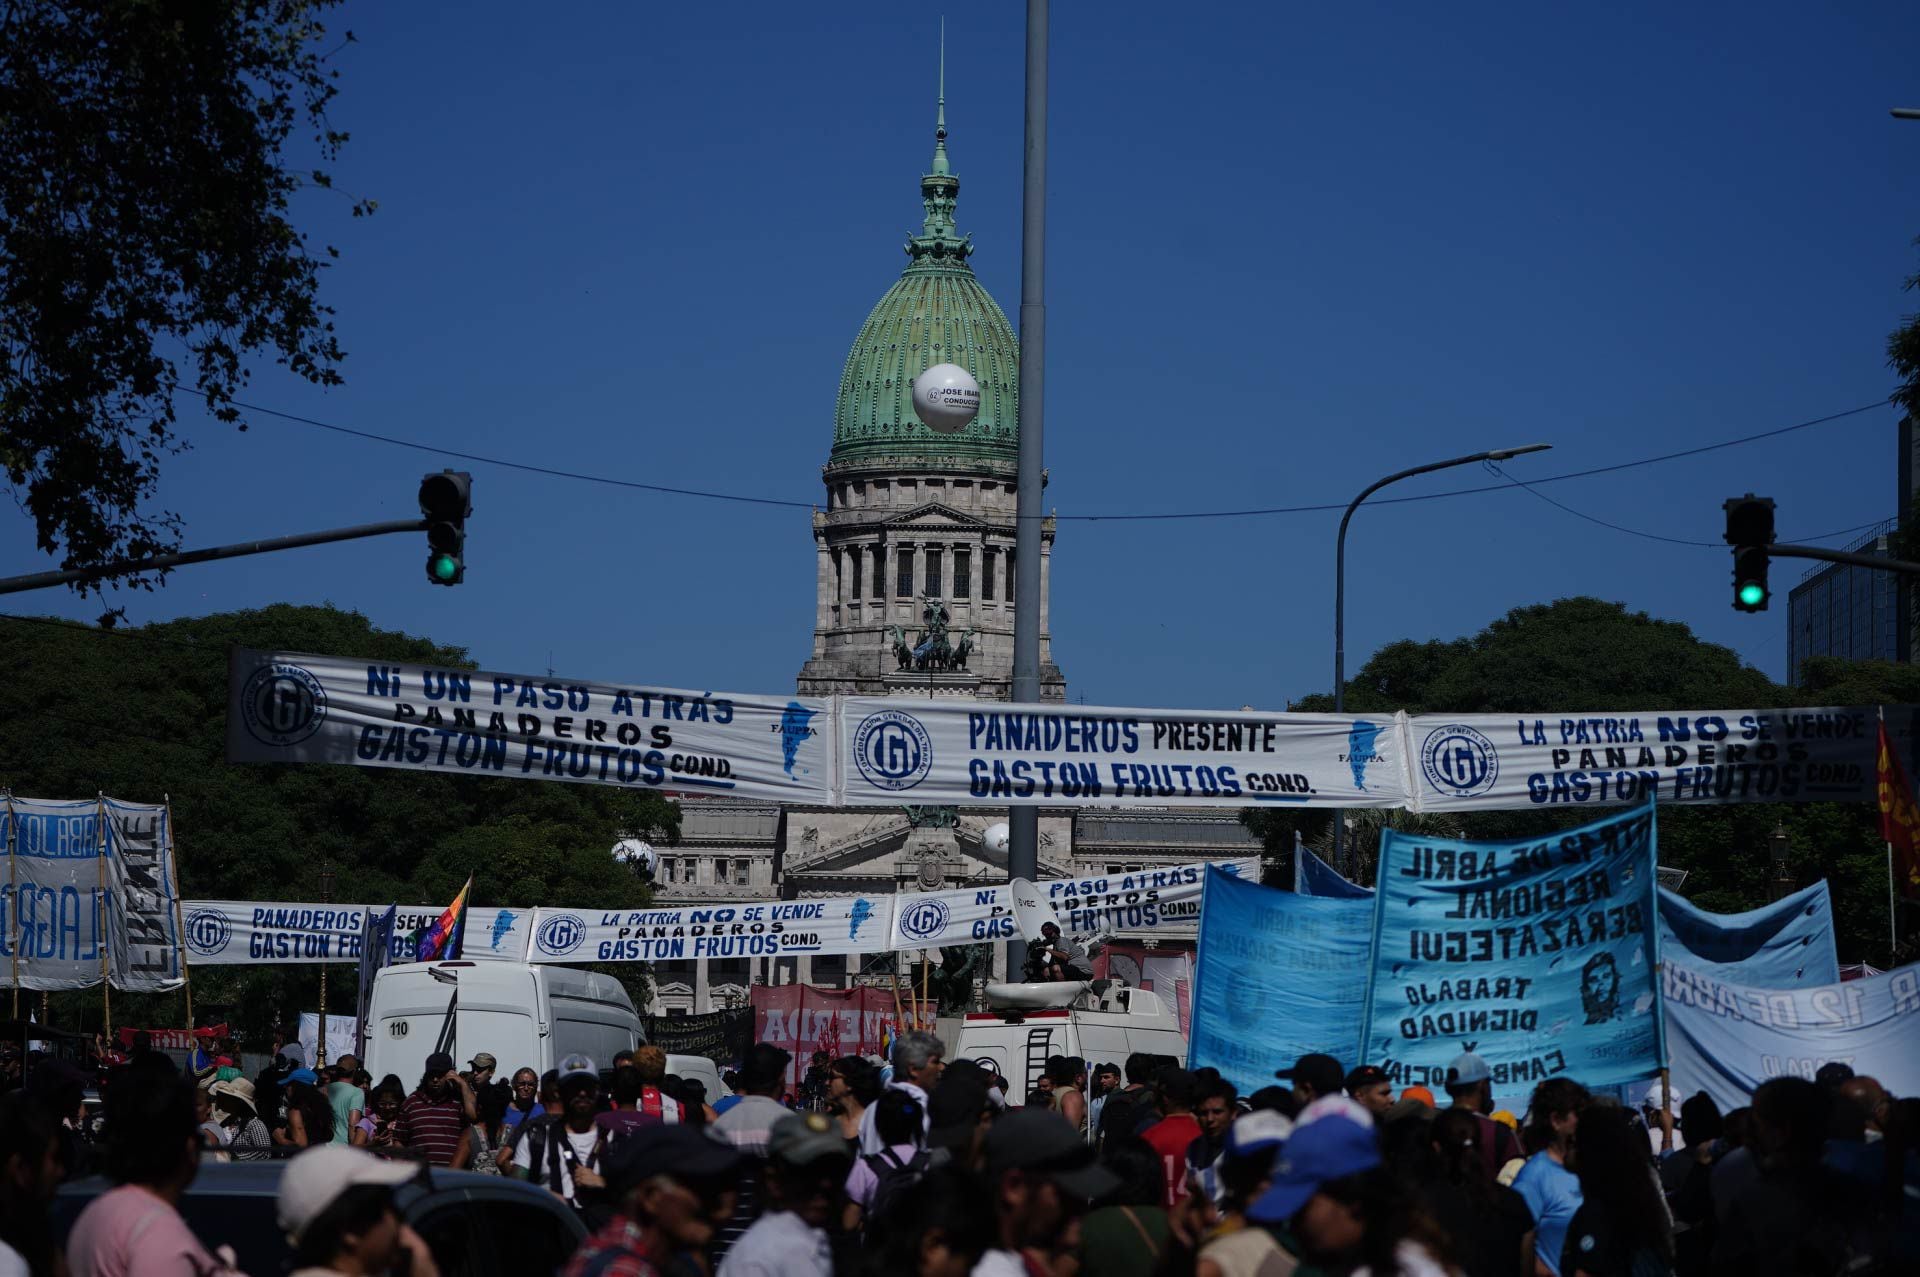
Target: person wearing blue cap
(1345, 1209)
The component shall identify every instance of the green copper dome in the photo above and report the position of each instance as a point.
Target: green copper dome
(936, 314)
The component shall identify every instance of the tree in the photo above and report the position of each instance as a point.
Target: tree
(1587, 654)
(1903, 356)
(140, 714)
(145, 243)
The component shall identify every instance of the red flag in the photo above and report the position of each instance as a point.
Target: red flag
(1899, 817)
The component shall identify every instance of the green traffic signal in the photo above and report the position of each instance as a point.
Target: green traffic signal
(446, 499)
(1753, 594)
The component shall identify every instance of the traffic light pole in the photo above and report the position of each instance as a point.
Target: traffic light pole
(1903, 566)
(122, 567)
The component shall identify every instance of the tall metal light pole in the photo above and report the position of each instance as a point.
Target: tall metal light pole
(1023, 852)
(320, 1042)
(1340, 599)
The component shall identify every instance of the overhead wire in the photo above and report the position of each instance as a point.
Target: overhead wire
(1252, 512)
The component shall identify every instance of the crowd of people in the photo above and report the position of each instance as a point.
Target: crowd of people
(921, 1165)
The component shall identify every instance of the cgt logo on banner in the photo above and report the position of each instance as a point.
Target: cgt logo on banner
(1164, 900)
(297, 708)
(560, 934)
(1538, 954)
(892, 750)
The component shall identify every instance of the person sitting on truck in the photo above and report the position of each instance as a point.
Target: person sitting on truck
(918, 1059)
(1053, 957)
(432, 1119)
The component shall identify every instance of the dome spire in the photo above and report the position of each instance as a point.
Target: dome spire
(939, 240)
(940, 124)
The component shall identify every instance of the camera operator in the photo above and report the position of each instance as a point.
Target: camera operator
(1053, 957)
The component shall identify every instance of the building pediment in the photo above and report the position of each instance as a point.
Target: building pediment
(933, 516)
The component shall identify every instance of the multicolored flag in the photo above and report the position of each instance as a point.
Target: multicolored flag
(1899, 818)
(442, 939)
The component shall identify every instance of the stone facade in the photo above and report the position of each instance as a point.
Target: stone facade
(909, 516)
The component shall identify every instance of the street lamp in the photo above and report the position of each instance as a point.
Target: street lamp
(320, 1039)
(1777, 852)
(1340, 588)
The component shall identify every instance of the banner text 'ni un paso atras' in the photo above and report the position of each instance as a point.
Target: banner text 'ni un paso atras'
(1540, 955)
(286, 707)
(1462, 762)
(903, 750)
(1139, 900)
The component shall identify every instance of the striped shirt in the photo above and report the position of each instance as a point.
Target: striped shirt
(431, 1127)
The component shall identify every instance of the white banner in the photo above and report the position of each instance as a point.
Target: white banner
(252, 932)
(1492, 761)
(760, 929)
(1143, 900)
(905, 750)
(286, 707)
(342, 1032)
(88, 887)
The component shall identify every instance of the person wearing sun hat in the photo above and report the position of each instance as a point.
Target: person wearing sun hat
(336, 1207)
(1341, 1204)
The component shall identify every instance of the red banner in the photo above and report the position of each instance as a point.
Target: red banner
(173, 1039)
(1899, 817)
(802, 1019)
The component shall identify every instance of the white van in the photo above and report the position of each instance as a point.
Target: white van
(526, 1015)
(1104, 1020)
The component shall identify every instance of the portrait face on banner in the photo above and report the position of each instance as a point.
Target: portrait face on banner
(1539, 955)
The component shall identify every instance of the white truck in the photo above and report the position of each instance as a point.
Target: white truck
(1098, 1020)
(526, 1015)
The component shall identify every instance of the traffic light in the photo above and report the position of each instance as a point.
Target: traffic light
(446, 499)
(1749, 532)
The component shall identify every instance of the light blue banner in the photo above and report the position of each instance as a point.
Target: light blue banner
(1279, 975)
(1313, 876)
(1726, 1039)
(1785, 945)
(1537, 954)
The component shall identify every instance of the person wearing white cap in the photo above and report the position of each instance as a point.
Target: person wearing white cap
(336, 1207)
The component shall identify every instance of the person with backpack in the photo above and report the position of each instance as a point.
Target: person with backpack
(562, 1151)
(878, 1179)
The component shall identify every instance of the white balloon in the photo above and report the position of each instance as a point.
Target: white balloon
(997, 837)
(946, 398)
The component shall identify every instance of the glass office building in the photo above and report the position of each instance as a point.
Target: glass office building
(1850, 612)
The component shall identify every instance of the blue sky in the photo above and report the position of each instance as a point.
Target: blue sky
(1292, 248)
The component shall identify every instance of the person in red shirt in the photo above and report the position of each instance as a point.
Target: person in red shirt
(1174, 1094)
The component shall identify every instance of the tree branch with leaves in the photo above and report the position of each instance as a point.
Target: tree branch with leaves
(146, 244)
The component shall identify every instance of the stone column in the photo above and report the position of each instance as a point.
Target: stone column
(702, 993)
(1046, 586)
(823, 594)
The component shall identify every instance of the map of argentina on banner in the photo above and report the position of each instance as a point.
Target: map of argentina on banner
(906, 750)
(286, 707)
(1462, 762)
(1540, 955)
